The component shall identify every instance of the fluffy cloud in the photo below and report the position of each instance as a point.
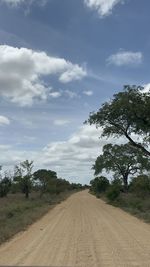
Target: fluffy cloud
(26, 67)
(88, 93)
(146, 88)
(11, 156)
(4, 120)
(75, 156)
(74, 72)
(103, 7)
(71, 159)
(125, 58)
(55, 94)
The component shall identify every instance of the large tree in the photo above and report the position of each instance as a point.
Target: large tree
(123, 160)
(127, 114)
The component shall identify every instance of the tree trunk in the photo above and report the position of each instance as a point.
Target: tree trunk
(125, 181)
(27, 193)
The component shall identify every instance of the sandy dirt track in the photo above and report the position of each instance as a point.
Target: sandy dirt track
(81, 231)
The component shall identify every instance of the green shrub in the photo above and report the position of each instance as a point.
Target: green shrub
(113, 193)
(5, 184)
(141, 186)
(99, 184)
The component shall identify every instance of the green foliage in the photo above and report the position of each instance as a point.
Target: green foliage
(113, 193)
(15, 188)
(117, 183)
(77, 186)
(114, 190)
(5, 185)
(49, 182)
(123, 160)
(127, 113)
(42, 180)
(46, 179)
(141, 185)
(23, 176)
(62, 185)
(99, 184)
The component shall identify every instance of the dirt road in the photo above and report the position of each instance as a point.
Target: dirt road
(81, 231)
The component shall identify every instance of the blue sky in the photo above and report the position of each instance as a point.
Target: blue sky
(60, 60)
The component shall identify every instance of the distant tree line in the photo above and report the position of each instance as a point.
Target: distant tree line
(24, 180)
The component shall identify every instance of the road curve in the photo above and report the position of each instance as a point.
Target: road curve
(81, 231)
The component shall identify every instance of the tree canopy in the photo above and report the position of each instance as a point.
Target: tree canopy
(45, 177)
(99, 184)
(123, 160)
(127, 114)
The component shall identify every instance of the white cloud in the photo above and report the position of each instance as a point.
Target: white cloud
(71, 158)
(61, 122)
(146, 88)
(75, 156)
(74, 72)
(103, 7)
(11, 156)
(55, 94)
(88, 93)
(4, 120)
(5, 147)
(15, 3)
(125, 58)
(26, 68)
(71, 94)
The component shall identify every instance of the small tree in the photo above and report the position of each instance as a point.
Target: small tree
(23, 175)
(123, 160)
(99, 184)
(45, 178)
(5, 184)
(62, 185)
(77, 186)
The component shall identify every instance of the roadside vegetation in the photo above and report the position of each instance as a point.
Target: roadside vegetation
(25, 196)
(127, 115)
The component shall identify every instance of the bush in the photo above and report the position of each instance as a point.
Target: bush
(5, 184)
(99, 184)
(117, 183)
(141, 186)
(113, 193)
(15, 188)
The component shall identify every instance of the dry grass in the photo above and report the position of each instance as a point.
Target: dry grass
(136, 205)
(16, 212)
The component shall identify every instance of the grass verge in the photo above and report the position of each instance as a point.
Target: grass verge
(16, 212)
(135, 205)
(131, 203)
